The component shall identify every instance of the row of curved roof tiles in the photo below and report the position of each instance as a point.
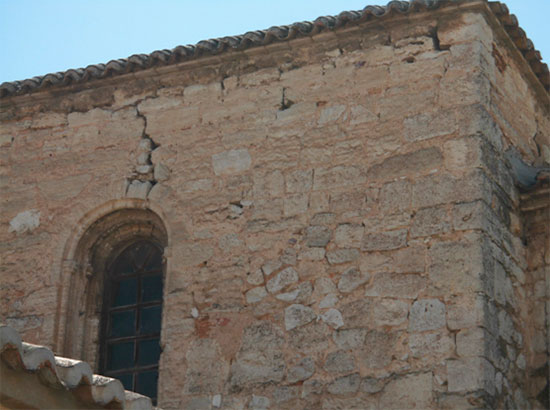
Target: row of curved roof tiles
(251, 39)
(65, 375)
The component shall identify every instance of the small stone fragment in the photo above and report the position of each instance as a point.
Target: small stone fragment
(143, 158)
(300, 294)
(370, 385)
(312, 254)
(298, 315)
(302, 371)
(328, 301)
(351, 279)
(339, 362)
(256, 294)
(345, 385)
(338, 256)
(162, 172)
(283, 394)
(259, 402)
(139, 189)
(235, 211)
(317, 236)
(324, 286)
(349, 338)
(145, 145)
(255, 278)
(312, 386)
(333, 318)
(289, 256)
(282, 279)
(144, 169)
(271, 266)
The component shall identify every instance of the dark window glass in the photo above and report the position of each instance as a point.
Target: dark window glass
(147, 383)
(120, 356)
(125, 292)
(154, 261)
(151, 288)
(124, 265)
(132, 318)
(127, 380)
(148, 352)
(123, 323)
(150, 318)
(141, 253)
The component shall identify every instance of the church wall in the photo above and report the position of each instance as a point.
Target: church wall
(342, 229)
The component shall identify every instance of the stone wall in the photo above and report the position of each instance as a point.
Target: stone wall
(343, 228)
(520, 243)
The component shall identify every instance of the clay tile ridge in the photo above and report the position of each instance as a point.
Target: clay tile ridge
(72, 376)
(252, 39)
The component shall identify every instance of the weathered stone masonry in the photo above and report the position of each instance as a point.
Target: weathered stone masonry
(343, 225)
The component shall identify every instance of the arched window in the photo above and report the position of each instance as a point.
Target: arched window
(131, 318)
(110, 298)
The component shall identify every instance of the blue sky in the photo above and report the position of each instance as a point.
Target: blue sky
(42, 36)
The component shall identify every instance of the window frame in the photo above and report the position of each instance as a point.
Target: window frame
(111, 277)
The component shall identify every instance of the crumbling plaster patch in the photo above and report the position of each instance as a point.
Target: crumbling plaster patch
(26, 221)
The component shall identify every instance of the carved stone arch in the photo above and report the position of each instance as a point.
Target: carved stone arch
(87, 259)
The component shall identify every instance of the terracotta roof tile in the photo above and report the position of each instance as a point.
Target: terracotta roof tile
(62, 373)
(251, 39)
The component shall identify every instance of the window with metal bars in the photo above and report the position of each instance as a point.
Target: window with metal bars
(130, 349)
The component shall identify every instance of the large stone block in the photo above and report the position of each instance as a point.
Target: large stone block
(303, 370)
(397, 285)
(429, 125)
(299, 181)
(390, 312)
(192, 254)
(438, 189)
(379, 349)
(430, 221)
(349, 338)
(412, 391)
(231, 162)
(384, 241)
(472, 27)
(338, 256)
(318, 236)
(460, 266)
(253, 366)
(206, 370)
(295, 205)
(407, 164)
(396, 196)
(331, 114)
(312, 338)
(351, 279)
(348, 235)
(270, 184)
(470, 374)
(427, 314)
(337, 177)
(339, 362)
(431, 346)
